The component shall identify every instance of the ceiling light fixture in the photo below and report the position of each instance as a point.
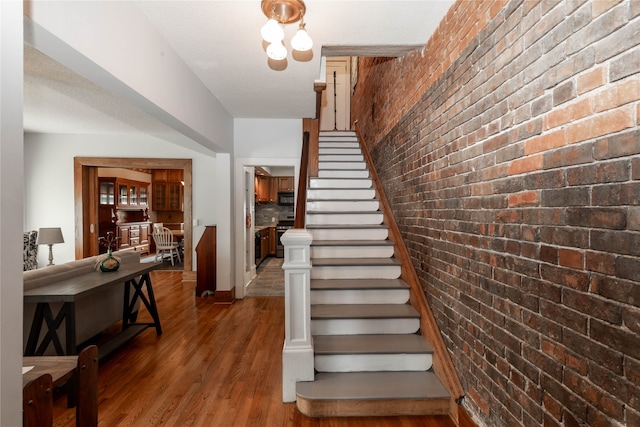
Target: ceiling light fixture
(280, 13)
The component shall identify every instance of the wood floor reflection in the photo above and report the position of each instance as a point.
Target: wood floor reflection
(214, 365)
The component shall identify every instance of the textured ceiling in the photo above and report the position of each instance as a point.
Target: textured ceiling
(220, 41)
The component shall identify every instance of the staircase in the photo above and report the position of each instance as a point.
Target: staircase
(369, 356)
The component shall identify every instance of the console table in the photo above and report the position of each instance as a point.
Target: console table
(134, 276)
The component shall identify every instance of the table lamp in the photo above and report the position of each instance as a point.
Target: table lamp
(50, 236)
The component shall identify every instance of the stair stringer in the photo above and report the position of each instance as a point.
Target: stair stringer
(442, 363)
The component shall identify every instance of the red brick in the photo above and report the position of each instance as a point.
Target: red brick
(528, 198)
(570, 258)
(600, 262)
(603, 124)
(527, 164)
(601, 6)
(546, 142)
(591, 80)
(626, 92)
(569, 113)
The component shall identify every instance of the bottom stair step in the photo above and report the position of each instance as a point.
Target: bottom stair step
(372, 394)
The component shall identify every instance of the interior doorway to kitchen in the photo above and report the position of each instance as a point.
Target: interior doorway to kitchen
(260, 216)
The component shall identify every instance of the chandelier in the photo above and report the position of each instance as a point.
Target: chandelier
(280, 13)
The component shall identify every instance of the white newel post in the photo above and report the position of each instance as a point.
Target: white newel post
(297, 354)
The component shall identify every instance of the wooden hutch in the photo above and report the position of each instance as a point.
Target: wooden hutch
(123, 209)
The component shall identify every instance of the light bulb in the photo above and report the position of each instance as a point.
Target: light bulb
(271, 31)
(301, 41)
(277, 51)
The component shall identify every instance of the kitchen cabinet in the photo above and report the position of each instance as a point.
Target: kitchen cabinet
(168, 190)
(272, 241)
(263, 244)
(266, 190)
(286, 183)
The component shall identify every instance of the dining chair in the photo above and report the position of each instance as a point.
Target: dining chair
(165, 244)
(37, 402)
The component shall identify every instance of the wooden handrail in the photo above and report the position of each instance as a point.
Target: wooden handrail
(442, 363)
(319, 87)
(301, 201)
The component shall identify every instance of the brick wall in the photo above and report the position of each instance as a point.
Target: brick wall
(509, 149)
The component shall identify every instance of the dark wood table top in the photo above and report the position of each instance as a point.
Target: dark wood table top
(61, 368)
(86, 284)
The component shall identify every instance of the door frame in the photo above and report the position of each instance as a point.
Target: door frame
(86, 188)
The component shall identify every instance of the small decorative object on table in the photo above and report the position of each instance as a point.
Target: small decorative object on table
(109, 262)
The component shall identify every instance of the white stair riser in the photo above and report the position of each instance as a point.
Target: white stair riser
(322, 150)
(342, 165)
(360, 218)
(364, 326)
(343, 206)
(373, 251)
(340, 158)
(343, 173)
(338, 144)
(340, 183)
(372, 362)
(352, 296)
(350, 234)
(338, 136)
(356, 272)
(341, 194)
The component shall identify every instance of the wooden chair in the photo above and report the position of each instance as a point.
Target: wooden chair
(164, 243)
(37, 402)
(86, 389)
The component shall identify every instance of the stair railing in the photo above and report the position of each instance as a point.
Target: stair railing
(442, 364)
(301, 201)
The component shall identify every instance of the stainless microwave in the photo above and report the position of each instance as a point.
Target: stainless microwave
(286, 198)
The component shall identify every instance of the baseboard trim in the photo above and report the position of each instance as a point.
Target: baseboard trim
(224, 297)
(189, 276)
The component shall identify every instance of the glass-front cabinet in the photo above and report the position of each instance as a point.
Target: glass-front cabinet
(123, 194)
(107, 193)
(130, 194)
(143, 196)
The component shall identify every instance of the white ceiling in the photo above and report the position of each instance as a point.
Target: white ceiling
(220, 41)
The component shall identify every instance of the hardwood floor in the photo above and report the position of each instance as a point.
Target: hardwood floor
(214, 365)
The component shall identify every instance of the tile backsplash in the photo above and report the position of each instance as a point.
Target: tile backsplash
(265, 212)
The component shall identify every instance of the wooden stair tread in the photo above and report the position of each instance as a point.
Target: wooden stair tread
(363, 311)
(371, 344)
(357, 284)
(373, 386)
(347, 262)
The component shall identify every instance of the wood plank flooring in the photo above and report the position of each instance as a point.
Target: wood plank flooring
(214, 365)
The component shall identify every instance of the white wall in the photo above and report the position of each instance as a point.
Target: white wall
(94, 39)
(11, 106)
(259, 142)
(49, 192)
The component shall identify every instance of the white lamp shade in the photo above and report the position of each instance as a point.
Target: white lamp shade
(277, 51)
(49, 236)
(301, 41)
(272, 32)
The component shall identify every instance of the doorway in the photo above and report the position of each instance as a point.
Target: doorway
(336, 108)
(86, 189)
